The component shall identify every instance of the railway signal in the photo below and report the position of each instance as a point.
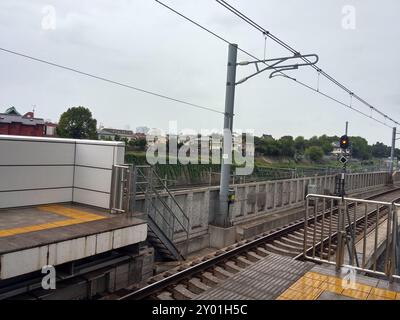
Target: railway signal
(343, 160)
(344, 142)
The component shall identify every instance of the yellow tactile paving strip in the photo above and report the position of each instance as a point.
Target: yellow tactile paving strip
(75, 217)
(313, 284)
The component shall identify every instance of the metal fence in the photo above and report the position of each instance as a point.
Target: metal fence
(352, 233)
(159, 205)
(121, 184)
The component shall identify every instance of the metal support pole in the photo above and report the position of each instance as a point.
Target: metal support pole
(222, 215)
(341, 235)
(392, 155)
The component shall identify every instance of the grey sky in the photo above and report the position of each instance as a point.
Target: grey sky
(143, 44)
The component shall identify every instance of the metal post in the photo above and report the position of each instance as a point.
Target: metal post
(222, 215)
(343, 176)
(392, 155)
(341, 234)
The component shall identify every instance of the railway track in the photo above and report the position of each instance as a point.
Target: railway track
(192, 278)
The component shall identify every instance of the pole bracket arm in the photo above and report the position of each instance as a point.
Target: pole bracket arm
(278, 64)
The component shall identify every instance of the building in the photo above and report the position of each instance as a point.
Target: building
(336, 150)
(111, 134)
(142, 130)
(50, 129)
(13, 123)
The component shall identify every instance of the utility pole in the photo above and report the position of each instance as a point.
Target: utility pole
(344, 169)
(391, 167)
(276, 66)
(222, 215)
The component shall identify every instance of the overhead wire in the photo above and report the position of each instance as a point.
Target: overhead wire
(267, 33)
(87, 74)
(292, 50)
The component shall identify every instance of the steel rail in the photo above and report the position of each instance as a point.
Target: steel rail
(220, 258)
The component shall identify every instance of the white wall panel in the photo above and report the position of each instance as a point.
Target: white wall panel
(93, 179)
(35, 153)
(25, 261)
(97, 199)
(70, 250)
(34, 197)
(119, 154)
(104, 242)
(126, 236)
(19, 178)
(21, 262)
(94, 155)
(31, 163)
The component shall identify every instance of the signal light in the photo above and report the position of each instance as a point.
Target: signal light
(344, 142)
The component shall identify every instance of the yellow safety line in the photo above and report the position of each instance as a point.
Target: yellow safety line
(76, 217)
(312, 284)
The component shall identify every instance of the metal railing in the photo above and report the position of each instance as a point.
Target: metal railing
(352, 233)
(120, 192)
(128, 182)
(161, 205)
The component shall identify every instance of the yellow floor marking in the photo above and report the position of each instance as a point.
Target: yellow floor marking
(352, 293)
(384, 293)
(374, 297)
(312, 284)
(76, 217)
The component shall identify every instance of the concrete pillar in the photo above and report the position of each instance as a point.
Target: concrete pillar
(245, 205)
(275, 194)
(256, 198)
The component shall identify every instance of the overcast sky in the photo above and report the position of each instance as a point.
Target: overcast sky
(141, 43)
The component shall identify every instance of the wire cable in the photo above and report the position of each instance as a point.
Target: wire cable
(261, 61)
(159, 95)
(292, 50)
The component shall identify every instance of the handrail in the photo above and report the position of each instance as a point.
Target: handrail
(162, 216)
(172, 197)
(153, 183)
(168, 208)
(383, 215)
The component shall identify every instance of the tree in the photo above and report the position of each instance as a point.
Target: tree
(325, 143)
(314, 153)
(300, 144)
(77, 123)
(380, 150)
(139, 144)
(360, 148)
(286, 144)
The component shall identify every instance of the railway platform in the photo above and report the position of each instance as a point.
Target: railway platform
(282, 278)
(53, 234)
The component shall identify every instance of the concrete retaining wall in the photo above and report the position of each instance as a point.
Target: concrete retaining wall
(47, 170)
(258, 199)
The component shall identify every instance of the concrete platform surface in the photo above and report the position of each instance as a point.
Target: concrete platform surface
(33, 237)
(265, 280)
(324, 283)
(282, 278)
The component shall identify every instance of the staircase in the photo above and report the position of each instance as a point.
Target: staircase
(167, 222)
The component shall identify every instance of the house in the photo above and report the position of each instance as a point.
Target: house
(13, 123)
(111, 134)
(50, 129)
(336, 150)
(142, 130)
